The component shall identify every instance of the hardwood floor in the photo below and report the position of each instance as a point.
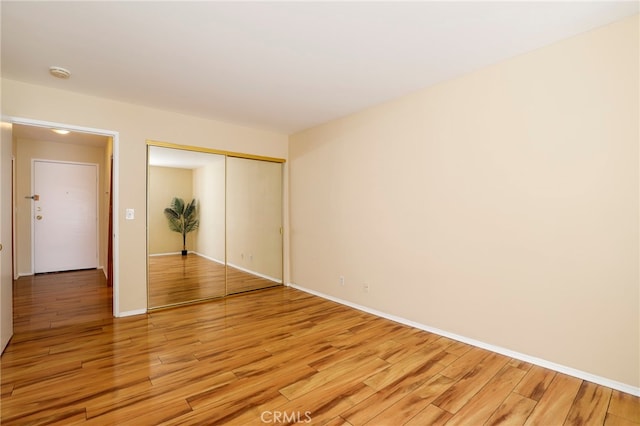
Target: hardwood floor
(53, 300)
(175, 279)
(275, 356)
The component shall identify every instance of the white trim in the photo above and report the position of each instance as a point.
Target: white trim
(195, 253)
(115, 219)
(221, 262)
(131, 313)
(249, 271)
(14, 217)
(51, 124)
(115, 136)
(104, 271)
(258, 274)
(623, 387)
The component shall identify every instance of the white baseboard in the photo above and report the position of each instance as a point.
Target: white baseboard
(166, 254)
(189, 252)
(221, 262)
(622, 387)
(258, 274)
(131, 313)
(30, 274)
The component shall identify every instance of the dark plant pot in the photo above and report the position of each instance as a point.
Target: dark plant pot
(184, 252)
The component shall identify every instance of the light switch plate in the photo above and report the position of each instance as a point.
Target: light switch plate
(130, 214)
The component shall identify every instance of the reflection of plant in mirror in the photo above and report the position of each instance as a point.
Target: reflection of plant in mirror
(183, 218)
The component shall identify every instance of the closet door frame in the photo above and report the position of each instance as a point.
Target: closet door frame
(226, 154)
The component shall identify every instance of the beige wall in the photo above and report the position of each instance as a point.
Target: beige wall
(135, 125)
(28, 150)
(209, 189)
(164, 184)
(501, 206)
(254, 216)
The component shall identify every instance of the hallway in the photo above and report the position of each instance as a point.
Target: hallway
(53, 300)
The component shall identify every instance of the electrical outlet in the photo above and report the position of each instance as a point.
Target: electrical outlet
(365, 288)
(341, 280)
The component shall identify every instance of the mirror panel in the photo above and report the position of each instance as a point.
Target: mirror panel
(175, 278)
(254, 224)
(237, 245)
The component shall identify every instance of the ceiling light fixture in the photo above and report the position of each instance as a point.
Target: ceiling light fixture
(60, 131)
(60, 72)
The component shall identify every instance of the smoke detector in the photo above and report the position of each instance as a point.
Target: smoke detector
(60, 72)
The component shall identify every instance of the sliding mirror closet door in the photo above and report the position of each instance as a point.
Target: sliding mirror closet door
(254, 224)
(186, 226)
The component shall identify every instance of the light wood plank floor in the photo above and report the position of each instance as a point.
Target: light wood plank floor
(175, 279)
(276, 356)
(53, 300)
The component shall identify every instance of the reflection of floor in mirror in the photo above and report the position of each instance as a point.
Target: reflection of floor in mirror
(178, 279)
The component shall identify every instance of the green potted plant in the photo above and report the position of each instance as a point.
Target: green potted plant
(183, 218)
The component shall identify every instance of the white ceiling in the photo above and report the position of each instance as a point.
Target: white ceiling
(169, 157)
(21, 131)
(283, 66)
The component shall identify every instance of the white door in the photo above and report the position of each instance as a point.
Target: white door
(65, 216)
(6, 280)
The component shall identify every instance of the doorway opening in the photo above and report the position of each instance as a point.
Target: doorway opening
(35, 140)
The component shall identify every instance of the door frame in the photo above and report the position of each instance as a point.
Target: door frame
(33, 212)
(14, 251)
(115, 179)
(6, 255)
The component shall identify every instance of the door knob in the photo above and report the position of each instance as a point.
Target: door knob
(0, 246)
(39, 217)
